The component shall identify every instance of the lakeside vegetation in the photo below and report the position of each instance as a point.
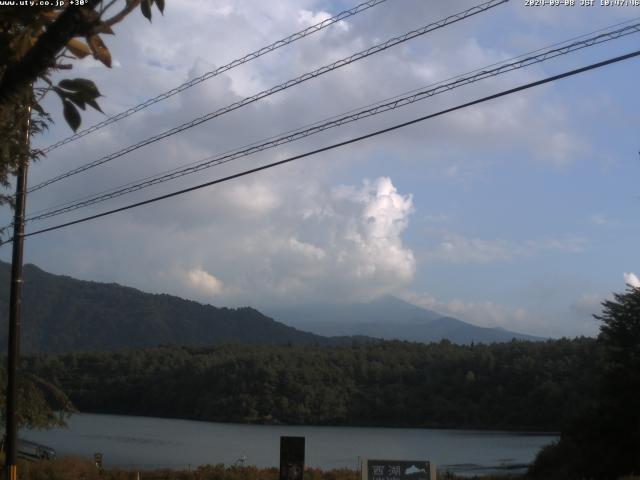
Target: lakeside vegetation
(384, 384)
(77, 468)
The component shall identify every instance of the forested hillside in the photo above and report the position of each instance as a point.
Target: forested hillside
(62, 314)
(515, 385)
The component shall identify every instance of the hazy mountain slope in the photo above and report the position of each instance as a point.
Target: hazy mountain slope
(61, 314)
(389, 317)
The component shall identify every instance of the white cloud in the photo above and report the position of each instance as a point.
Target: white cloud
(561, 148)
(482, 313)
(203, 282)
(582, 311)
(306, 18)
(306, 249)
(319, 244)
(588, 304)
(601, 220)
(459, 249)
(455, 248)
(632, 279)
(252, 197)
(571, 320)
(340, 243)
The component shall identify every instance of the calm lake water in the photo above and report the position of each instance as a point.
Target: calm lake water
(145, 443)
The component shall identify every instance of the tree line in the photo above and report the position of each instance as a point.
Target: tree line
(515, 385)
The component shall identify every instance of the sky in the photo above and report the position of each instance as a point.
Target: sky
(520, 212)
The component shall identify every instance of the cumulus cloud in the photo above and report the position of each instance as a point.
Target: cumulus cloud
(375, 234)
(341, 243)
(320, 244)
(203, 282)
(632, 280)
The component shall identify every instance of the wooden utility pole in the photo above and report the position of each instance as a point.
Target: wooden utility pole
(15, 304)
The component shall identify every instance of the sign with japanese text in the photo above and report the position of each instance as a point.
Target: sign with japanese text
(398, 470)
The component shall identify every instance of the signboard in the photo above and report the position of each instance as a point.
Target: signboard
(291, 458)
(398, 470)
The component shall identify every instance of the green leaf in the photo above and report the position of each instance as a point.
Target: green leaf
(81, 85)
(160, 4)
(71, 115)
(78, 99)
(61, 93)
(145, 7)
(92, 103)
(69, 84)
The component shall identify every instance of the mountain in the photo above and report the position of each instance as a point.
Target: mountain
(390, 318)
(61, 314)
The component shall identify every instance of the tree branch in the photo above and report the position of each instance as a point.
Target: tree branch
(72, 22)
(104, 8)
(131, 5)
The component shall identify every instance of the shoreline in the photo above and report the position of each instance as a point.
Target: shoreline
(523, 431)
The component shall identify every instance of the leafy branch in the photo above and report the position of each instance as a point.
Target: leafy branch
(40, 40)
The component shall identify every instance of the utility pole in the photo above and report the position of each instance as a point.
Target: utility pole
(15, 304)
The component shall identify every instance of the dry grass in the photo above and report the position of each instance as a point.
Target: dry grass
(72, 468)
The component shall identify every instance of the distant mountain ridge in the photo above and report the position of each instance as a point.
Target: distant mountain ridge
(62, 314)
(390, 318)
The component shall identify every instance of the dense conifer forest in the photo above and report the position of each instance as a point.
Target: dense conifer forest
(515, 385)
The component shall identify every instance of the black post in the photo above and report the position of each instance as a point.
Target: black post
(291, 458)
(15, 304)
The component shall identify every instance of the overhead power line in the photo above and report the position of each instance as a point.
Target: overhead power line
(213, 73)
(339, 144)
(381, 107)
(589, 39)
(283, 86)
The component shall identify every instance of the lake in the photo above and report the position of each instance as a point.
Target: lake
(146, 442)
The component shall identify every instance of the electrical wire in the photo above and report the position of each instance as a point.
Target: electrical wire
(375, 109)
(149, 177)
(339, 144)
(213, 73)
(283, 86)
(511, 59)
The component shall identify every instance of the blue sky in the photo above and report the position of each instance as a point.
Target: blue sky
(521, 212)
